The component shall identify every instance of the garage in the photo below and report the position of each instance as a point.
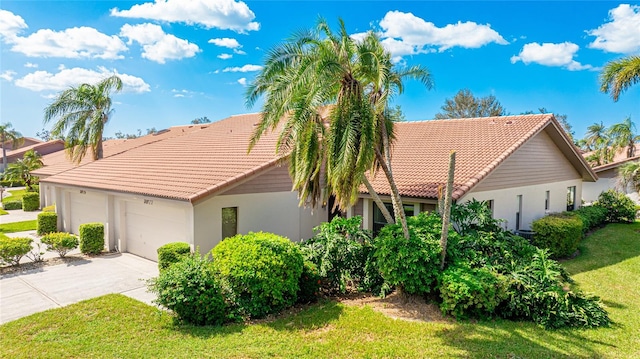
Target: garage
(149, 225)
(87, 207)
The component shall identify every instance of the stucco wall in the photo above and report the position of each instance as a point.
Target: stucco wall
(505, 201)
(268, 212)
(606, 181)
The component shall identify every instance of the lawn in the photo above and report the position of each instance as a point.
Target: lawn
(16, 195)
(18, 226)
(116, 326)
(3, 212)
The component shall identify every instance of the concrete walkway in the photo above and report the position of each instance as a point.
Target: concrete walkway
(18, 215)
(48, 287)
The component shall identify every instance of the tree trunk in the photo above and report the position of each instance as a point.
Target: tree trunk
(100, 152)
(4, 158)
(378, 201)
(446, 213)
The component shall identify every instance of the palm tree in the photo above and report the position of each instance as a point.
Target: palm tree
(21, 169)
(332, 93)
(81, 114)
(629, 173)
(617, 76)
(598, 140)
(9, 134)
(623, 135)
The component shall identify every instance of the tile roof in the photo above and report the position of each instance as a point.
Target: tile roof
(185, 168)
(43, 148)
(420, 156)
(59, 162)
(619, 158)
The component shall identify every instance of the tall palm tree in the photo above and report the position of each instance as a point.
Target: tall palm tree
(81, 114)
(629, 174)
(598, 140)
(21, 169)
(8, 134)
(332, 93)
(623, 135)
(617, 76)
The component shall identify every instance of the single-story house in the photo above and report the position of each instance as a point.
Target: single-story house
(608, 177)
(203, 186)
(43, 148)
(524, 166)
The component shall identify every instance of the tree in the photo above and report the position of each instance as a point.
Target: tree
(21, 169)
(9, 134)
(81, 113)
(623, 135)
(629, 174)
(200, 120)
(465, 105)
(332, 93)
(618, 75)
(597, 140)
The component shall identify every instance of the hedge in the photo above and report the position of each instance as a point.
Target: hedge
(592, 216)
(10, 205)
(31, 201)
(559, 233)
(620, 208)
(47, 223)
(171, 253)
(60, 242)
(13, 249)
(92, 238)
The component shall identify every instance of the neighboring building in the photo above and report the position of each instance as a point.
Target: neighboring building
(43, 148)
(524, 166)
(608, 177)
(198, 188)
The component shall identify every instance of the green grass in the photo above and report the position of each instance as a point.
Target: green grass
(116, 326)
(18, 226)
(3, 212)
(16, 195)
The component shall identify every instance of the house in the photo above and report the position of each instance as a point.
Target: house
(608, 177)
(199, 187)
(524, 166)
(43, 148)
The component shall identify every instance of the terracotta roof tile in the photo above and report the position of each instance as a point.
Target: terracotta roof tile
(40, 147)
(619, 158)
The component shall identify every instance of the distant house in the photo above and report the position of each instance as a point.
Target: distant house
(524, 166)
(608, 177)
(43, 148)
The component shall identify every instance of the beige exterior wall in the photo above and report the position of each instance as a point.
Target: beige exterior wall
(538, 161)
(275, 180)
(606, 181)
(505, 201)
(268, 212)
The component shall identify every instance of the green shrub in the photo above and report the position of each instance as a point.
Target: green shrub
(47, 223)
(620, 208)
(34, 188)
(592, 216)
(7, 184)
(60, 242)
(558, 233)
(261, 272)
(412, 265)
(31, 201)
(11, 205)
(338, 252)
(190, 289)
(91, 238)
(171, 253)
(309, 283)
(51, 208)
(13, 249)
(471, 291)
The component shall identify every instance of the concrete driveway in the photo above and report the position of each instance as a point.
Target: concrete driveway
(25, 293)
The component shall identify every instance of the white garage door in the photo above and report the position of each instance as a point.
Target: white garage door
(149, 226)
(87, 207)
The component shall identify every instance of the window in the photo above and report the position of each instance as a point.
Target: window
(229, 222)
(490, 206)
(571, 198)
(378, 218)
(547, 195)
(519, 213)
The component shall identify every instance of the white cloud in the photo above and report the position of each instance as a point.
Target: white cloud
(30, 65)
(239, 52)
(65, 78)
(226, 42)
(157, 45)
(10, 25)
(245, 68)
(242, 81)
(7, 75)
(622, 33)
(221, 14)
(225, 56)
(406, 34)
(548, 54)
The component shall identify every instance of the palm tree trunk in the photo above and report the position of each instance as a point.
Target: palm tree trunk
(100, 153)
(378, 201)
(446, 214)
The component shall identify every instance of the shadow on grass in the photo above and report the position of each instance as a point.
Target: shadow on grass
(608, 246)
(506, 339)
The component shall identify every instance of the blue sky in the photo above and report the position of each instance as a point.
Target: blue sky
(183, 60)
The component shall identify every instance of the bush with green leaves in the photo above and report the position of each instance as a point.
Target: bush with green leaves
(309, 283)
(47, 223)
(60, 242)
(91, 238)
(540, 292)
(340, 252)
(559, 233)
(467, 291)
(592, 216)
(191, 290)
(260, 271)
(11, 205)
(620, 208)
(411, 265)
(13, 249)
(31, 201)
(172, 253)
